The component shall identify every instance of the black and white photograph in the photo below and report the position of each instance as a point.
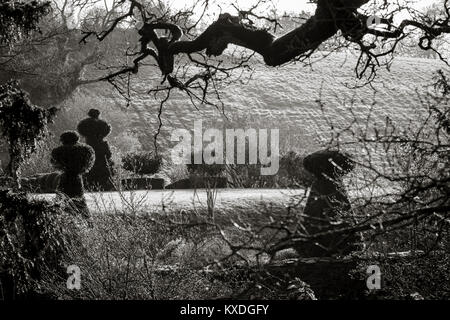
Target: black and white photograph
(228, 157)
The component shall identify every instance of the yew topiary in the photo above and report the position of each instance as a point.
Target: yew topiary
(328, 207)
(333, 164)
(73, 159)
(95, 130)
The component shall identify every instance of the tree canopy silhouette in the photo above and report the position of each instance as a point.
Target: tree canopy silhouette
(349, 19)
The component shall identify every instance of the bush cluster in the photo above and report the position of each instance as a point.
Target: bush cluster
(292, 171)
(203, 169)
(142, 163)
(22, 124)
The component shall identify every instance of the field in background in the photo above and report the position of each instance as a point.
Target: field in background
(284, 98)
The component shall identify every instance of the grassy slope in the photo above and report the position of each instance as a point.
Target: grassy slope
(283, 98)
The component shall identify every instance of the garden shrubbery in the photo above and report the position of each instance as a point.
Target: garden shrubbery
(142, 163)
(291, 174)
(22, 124)
(416, 277)
(140, 254)
(32, 232)
(203, 169)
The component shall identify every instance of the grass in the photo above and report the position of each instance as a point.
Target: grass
(130, 252)
(133, 252)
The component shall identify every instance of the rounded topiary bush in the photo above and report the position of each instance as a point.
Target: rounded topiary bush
(73, 159)
(95, 130)
(142, 163)
(332, 163)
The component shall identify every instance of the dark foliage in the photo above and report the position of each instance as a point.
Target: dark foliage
(292, 172)
(203, 169)
(19, 18)
(72, 157)
(94, 113)
(69, 138)
(31, 241)
(142, 163)
(21, 123)
(331, 163)
(41, 183)
(415, 277)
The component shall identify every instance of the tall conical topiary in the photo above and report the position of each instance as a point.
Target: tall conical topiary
(73, 159)
(95, 130)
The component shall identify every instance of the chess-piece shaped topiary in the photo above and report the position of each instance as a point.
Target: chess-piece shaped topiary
(73, 159)
(95, 130)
